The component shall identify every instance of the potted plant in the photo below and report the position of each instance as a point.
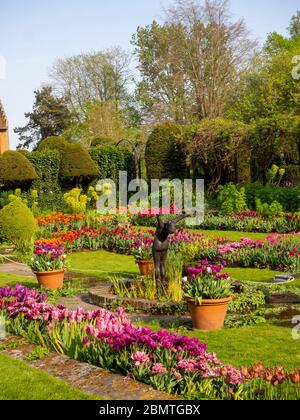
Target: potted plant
(142, 252)
(49, 264)
(208, 295)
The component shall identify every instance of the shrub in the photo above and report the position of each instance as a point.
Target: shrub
(289, 198)
(231, 199)
(47, 165)
(17, 222)
(16, 170)
(165, 157)
(77, 165)
(268, 209)
(53, 143)
(111, 159)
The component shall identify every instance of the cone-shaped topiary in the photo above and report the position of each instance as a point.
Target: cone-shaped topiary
(77, 166)
(164, 155)
(16, 170)
(17, 222)
(53, 143)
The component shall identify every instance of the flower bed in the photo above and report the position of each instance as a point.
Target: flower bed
(248, 221)
(279, 251)
(166, 360)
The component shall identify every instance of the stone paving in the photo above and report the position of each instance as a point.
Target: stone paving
(88, 378)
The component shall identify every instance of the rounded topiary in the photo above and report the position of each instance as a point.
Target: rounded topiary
(77, 165)
(17, 222)
(16, 170)
(164, 155)
(53, 143)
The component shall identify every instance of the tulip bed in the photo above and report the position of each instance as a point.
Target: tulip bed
(248, 221)
(167, 361)
(277, 251)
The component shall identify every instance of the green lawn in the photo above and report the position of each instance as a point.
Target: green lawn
(18, 381)
(102, 264)
(269, 344)
(233, 235)
(12, 280)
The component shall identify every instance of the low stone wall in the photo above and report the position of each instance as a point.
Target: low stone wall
(104, 297)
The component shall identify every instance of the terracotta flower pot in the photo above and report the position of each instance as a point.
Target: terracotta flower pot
(210, 315)
(146, 267)
(50, 279)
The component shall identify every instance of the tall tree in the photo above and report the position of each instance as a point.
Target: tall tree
(50, 117)
(294, 27)
(188, 64)
(267, 86)
(85, 78)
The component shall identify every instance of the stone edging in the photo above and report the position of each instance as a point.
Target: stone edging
(88, 378)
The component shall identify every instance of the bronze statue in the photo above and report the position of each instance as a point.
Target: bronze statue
(161, 246)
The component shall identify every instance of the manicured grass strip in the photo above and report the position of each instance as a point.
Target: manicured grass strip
(102, 264)
(18, 381)
(12, 280)
(252, 274)
(233, 235)
(269, 344)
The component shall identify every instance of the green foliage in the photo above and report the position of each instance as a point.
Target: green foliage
(274, 139)
(53, 143)
(77, 166)
(165, 157)
(231, 199)
(288, 198)
(219, 149)
(17, 222)
(47, 164)
(207, 287)
(103, 141)
(111, 159)
(16, 170)
(49, 117)
(37, 354)
(240, 321)
(247, 301)
(268, 210)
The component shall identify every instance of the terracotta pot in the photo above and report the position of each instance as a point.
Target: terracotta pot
(146, 267)
(50, 279)
(210, 315)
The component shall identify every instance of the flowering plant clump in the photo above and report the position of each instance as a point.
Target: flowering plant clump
(166, 360)
(207, 286)
(58, 221)
(142, 249)
(48, 257)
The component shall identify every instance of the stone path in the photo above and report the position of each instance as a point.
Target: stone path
(88, 378)
(16, 269)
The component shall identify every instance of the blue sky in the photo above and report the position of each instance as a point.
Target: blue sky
(35, 33)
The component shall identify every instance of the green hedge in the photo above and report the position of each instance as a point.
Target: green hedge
(111, 159)
(165, 156)
(47, 164)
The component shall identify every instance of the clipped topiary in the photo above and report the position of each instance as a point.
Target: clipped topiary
(17, 222)
(165, 157)
(77, 166)
(16, 170)
(53, 143)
